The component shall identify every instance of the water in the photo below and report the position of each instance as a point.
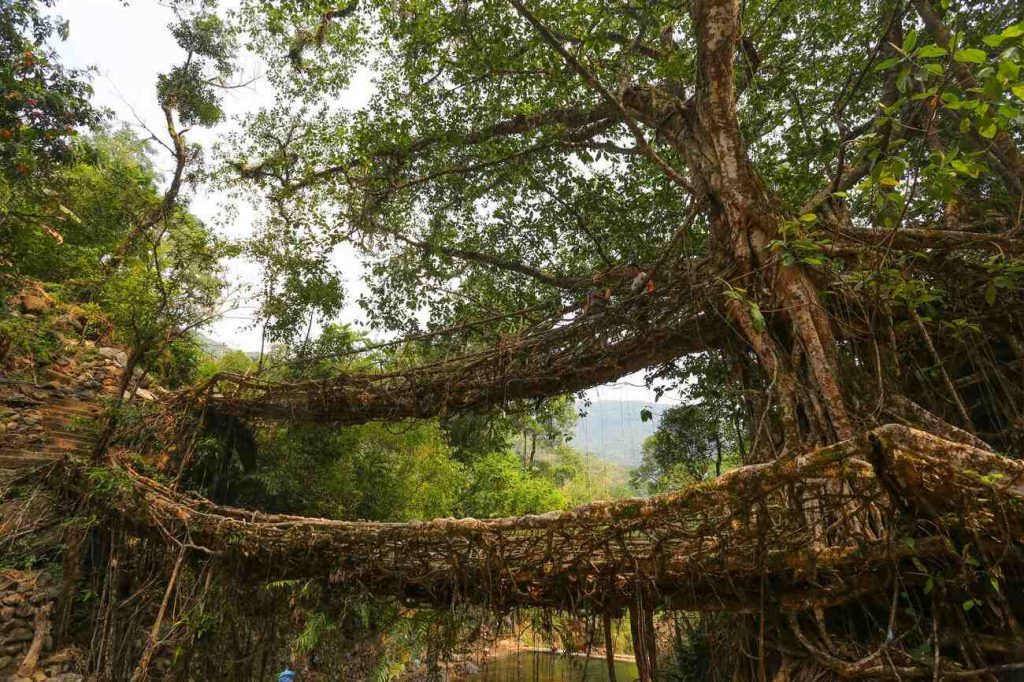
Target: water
(535, 666)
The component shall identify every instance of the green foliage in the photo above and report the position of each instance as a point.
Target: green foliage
(692, 443)
(59, 228)
(233, 361)
(191, 88)
(701, 438)
(798, 246)
(41, 102)
(29, 339)
(174, 288)
(500, 487)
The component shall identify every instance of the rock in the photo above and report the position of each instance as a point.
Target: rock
(140, 377)
(31, 303)
(117, 355)
(13, 624)
(67, 677)
(13, 599)
(39, 676)
(5, 661)
(18, 635)
(62, 656)
(143, 394)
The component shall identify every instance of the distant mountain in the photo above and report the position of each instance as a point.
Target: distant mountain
(614, 431)
(217, 349)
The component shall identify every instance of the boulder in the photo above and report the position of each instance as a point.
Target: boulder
(33, 304)
(143, 394)
(119, 357)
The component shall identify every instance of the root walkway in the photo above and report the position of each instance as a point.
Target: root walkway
(816, 529)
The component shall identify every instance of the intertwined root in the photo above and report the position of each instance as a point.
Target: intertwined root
(820, 527)
(841, 529)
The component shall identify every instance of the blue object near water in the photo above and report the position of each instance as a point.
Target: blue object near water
(286, 675)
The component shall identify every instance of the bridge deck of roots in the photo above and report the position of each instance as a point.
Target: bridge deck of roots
(816, 529)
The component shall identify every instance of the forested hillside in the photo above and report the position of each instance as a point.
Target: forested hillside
(615, 430)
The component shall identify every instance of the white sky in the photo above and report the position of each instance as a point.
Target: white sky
(129, 46)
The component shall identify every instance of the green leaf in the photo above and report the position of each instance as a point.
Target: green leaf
(964, 168)
(808, 218)
(987, 128)
(931, 51)
(1008, 70)
(968, 605)
(1018, 90)
(990, 294)
(757, 318)
(970, 55)
(1014, 31)
(646, 415)
(1008, 112)
(929, 585)
(910, 41)
(993, 41)
(887, 63)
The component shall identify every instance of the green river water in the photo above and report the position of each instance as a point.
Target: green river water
(543, 667)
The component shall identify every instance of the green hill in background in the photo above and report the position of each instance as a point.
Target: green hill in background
(614, 431)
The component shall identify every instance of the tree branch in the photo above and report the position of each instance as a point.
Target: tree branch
(595, 84)
(492, 261)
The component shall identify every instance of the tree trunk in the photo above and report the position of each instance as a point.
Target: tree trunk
(777, 309)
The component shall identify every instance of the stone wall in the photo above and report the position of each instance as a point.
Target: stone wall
(26, 602)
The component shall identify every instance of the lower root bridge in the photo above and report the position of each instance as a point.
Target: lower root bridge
(816, 530)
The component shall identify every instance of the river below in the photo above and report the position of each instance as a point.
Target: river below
(535, 666)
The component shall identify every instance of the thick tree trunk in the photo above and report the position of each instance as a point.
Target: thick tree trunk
(777, 309)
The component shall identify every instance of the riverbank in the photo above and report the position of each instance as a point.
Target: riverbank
(470, 666)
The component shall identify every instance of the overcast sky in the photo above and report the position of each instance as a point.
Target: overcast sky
(128, 47)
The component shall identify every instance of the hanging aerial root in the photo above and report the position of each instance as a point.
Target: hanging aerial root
(784, 524)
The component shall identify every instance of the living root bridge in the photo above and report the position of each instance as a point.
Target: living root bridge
(817, 529)
(569, 351)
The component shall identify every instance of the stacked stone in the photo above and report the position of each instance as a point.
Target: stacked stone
(24, 596)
